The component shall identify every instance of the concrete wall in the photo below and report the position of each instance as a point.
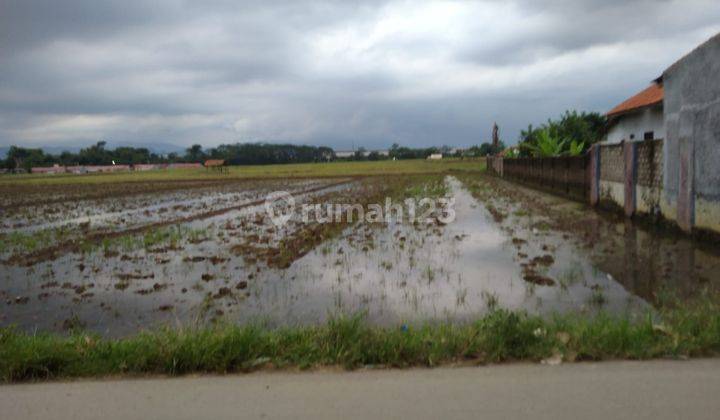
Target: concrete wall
(649, 177)
(637, 123)
(692, 124)
(495, 164)
(564, 175)
(612, 175)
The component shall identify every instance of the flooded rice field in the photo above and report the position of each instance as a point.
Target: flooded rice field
(125, 259)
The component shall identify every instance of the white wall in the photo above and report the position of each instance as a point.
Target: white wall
(637, 123)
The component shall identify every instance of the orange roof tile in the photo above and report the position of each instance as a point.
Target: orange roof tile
(214, 162)
(650, 96)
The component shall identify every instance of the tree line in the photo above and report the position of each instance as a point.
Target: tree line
(571, 134)
(235, 154)
(97, 154)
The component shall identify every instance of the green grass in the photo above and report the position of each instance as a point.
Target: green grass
(24, 242)
(433, 188)
(307, 170)
(30, 241)
(690, 330)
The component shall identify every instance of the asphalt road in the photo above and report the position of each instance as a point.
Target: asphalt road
(616, 390)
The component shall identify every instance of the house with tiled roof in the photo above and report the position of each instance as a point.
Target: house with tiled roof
(639, 117)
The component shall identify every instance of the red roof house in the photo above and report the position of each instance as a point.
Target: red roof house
(639, 117)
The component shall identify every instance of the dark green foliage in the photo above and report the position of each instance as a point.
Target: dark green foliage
(265, 154)
(485, 149)
(235, 154)
(400, 152)
(582, 128)
(22, 158)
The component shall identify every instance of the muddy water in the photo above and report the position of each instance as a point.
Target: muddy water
(126, 212)
(456, 272)
(396, 273)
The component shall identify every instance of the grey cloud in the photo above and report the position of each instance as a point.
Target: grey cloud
(28, 23)
(564, 26)
(218, 71)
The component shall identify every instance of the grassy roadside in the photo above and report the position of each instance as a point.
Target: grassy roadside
(300, 170)
(686, 331)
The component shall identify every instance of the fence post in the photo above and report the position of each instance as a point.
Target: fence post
(630, 157)
(594, 168)
(566, 175)
(686, 190)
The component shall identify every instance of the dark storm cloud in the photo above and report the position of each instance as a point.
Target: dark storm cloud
(324, 72)
(555, 27)
(29, 23)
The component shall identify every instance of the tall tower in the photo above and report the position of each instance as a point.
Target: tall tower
(495, 138)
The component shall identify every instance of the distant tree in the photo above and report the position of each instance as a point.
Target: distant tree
(95, 155)
(326, 154)
(374, 155)
(399, 152)
(359, 154)
(16, 157)
(68, 159)
(263, 154)
(131, 155)
(234, 154)
(486, 149)
(22, 158)
(430, 151)
(195, 153)
(529, 135)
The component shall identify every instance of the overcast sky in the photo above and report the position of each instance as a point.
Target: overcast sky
(336, 73)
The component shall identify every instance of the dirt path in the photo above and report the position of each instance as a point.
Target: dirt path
(652, 390)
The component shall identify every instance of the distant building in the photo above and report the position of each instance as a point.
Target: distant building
(341, 154)
(84, 169)
(145, 167)
(55, 169)
(185, 166)
(435, 156)
(344, 154)
(217, 165)
(639, 117)
(106, 168)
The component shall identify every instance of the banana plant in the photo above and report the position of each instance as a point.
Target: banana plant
(546, 145)
(576, 148)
